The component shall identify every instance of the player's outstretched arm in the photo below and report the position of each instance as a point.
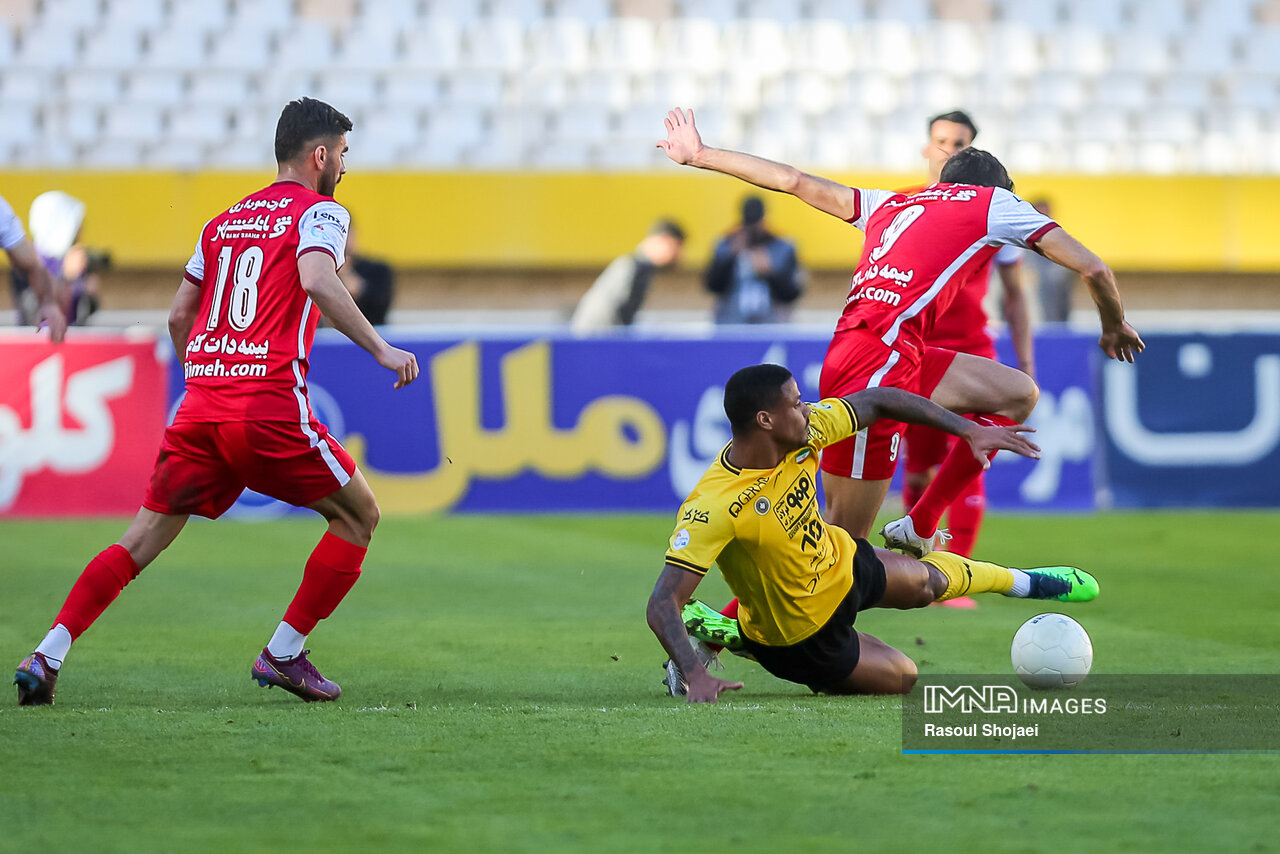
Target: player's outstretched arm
(319, 275)
(873, 404)
(684, 146)
(1119, 340)
(24, 257)
(675, 587)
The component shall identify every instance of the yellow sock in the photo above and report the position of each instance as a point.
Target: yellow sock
(965, 576)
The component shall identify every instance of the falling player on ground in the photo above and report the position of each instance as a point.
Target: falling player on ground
(801, 582)
(242, 322)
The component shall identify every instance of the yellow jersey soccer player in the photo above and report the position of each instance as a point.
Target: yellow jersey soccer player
(800, 582)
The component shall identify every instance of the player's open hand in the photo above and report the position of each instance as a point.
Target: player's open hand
(404, 363)
(49, 314)
(683, 142)
(1122, 344)
(985, 440)
(705, 688)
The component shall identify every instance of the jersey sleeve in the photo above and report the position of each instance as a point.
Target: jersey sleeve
(703, 529)
(11, 231)
(323, 228)
(831, 420)
(865, 203)
(1008, 256)
(194, 271)
(1014, 221)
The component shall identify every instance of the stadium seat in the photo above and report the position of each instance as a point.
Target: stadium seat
(224, 89)
(47, 47)
(1256, 91)
(155, 87)
(609, 90)
(1262, 50)
(72, 14)
(588, 12)
(433, 45)
(893, 48)
(175, 48)
(1064, 91)
(524, 12)
(1106, 17)
(140, 123)
(624, 44)
(198, 15)
(474, 88)
(1124, 89)
(49, 153)
(1185, 89)
(1077, 50)
(347, 90)
(182, 155)
(274, 17)
(411, 89)
(1158, 17)
(913, 13)
(1225, 17)
(1206, 54)
(93, 87)
(20, 87)
(199, 123)
(690, 44)
(1012, 51)
(559, 44)
(785, 12)
(306, 46)
(1141, 52)
(494, 44)
(755, 46)
(21, 124)
(112, 154)
(956, 48)
(244, 48)
(368, 48)
(845, 11)
(73, 124)
(821, 45)
(460, 12)
(398, 15)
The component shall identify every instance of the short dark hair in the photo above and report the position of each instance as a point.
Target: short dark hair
(975, 166)
(669, 227)
(304, 121)
(960, 117)
(752, 210)
(751, 390)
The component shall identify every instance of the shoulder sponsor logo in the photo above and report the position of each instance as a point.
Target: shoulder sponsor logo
(762, 506)
(680, 540)
(804, 453)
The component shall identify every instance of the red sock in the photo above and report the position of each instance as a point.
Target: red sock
(964, 517)
(956, 472)
(96, 588)
(331, 572)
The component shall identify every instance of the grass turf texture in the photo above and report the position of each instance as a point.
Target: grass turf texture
(501, 692)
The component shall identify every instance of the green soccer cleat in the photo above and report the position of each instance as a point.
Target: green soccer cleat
(710, 626)
(1048, 582)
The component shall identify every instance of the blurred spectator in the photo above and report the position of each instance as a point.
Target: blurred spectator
(1053, 283)
(754, 274)
(56, 219)
(371, 282)
(616, 295)
(26, 262)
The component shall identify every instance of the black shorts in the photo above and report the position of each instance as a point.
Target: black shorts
(829, 655)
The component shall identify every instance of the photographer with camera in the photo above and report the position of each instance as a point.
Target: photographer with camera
(754, 273)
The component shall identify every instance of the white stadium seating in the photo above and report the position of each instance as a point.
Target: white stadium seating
(1090, 85)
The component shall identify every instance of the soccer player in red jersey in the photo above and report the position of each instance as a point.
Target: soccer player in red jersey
(243, 321)
(964, 328)
(919, 250)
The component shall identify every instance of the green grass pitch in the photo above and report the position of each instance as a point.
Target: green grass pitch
(501, 693)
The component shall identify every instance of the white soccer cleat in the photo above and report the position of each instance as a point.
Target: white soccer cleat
(901, 534)
(675, 681)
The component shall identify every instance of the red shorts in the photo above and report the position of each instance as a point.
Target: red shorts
(926, 447)
(857, 359)
(204, 466)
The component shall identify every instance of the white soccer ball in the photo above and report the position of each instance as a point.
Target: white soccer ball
(1052, 651)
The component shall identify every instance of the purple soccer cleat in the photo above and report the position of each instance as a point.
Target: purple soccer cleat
(35, 679)
(297, 676)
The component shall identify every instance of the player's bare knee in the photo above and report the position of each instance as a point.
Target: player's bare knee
(908, 673)
(1024, 399)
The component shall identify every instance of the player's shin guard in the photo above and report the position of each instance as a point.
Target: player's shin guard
(956, 472)
(331, 572)
(966, 576)
(96, 588)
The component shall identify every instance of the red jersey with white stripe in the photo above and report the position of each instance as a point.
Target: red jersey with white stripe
(247, 356)
(965, 327)
(921, 248)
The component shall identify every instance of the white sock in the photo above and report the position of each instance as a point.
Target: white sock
(1021, 584)
(55, 645)
(286, 643)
